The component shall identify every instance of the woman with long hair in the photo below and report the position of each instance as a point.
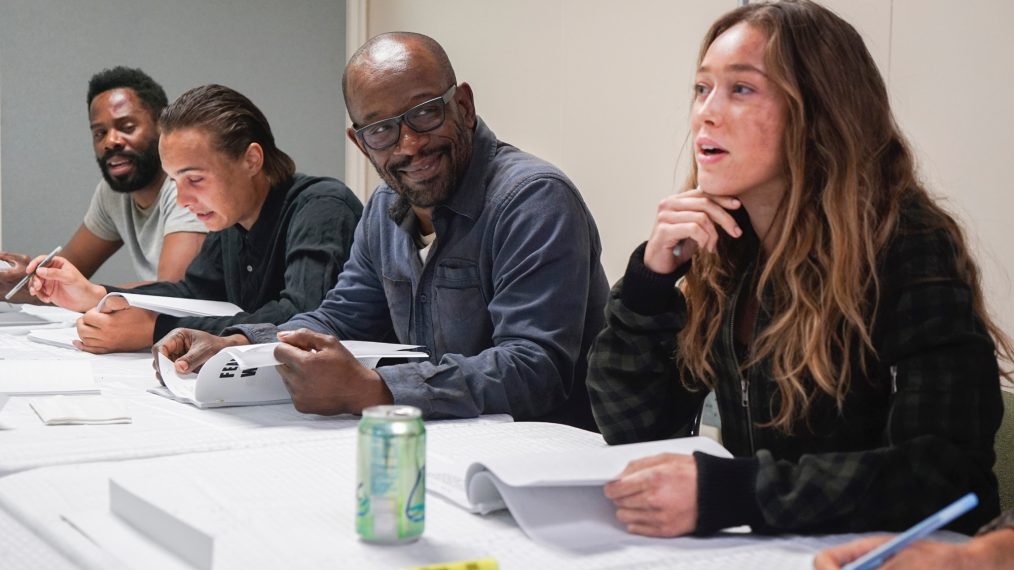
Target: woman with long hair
(825, 297)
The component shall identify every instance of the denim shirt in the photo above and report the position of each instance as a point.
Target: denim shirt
(507, 304)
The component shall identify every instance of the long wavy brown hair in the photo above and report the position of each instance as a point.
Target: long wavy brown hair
(849, 170)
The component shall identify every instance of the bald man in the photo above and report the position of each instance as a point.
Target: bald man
(484, 254)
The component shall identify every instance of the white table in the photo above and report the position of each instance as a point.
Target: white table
(283, 485)
(159, 427)
(293, 506)
(22, 549)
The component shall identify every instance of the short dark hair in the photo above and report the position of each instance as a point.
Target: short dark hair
(233, 122)
(426, 43)
(148, 91)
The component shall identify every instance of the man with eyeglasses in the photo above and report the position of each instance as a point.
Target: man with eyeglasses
(484, 254)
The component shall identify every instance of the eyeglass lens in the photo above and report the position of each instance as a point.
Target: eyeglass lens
(424, 118)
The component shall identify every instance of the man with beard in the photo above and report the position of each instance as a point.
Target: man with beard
(278, 237)
(485, 255)
(134, 205)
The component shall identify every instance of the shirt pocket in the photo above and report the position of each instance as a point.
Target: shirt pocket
(399, 304)
(461, 310)
(458, 290)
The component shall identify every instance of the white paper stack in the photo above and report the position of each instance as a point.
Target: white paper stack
(45, 377)
(81, 410)
(163, 522)
(64, 338)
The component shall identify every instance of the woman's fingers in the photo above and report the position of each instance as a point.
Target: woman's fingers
(716, 208)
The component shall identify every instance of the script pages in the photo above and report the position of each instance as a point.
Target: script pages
(176, 306)
(173, 306)
(557, 497)
(247, 375)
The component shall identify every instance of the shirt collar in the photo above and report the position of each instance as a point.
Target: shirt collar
(263, 230)
(470, 195)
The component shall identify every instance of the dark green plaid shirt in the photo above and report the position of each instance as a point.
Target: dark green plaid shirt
(916, 432)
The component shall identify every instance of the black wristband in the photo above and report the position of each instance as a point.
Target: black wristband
(646, 292)
(726, 493)
(163, 324)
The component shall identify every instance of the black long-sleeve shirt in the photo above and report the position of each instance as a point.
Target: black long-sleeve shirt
(282, 266)
(915, 433)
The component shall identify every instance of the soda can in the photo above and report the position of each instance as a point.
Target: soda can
(391, 475)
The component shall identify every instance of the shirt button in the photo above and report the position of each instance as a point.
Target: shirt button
(249, 268)
(422, 298)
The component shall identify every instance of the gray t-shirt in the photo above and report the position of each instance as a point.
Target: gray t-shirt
(114, 216)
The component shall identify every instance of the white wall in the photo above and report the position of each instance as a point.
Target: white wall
(602, 89)
(952, 76)
(286, 56)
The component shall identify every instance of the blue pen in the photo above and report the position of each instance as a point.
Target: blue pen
(879, 555)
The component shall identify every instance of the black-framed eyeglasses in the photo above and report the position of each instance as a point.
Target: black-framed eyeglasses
(422, 118)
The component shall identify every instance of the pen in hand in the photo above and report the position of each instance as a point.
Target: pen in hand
(874, 558)
(678, 249)
(24, 281)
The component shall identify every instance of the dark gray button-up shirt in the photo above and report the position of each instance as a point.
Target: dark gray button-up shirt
(507, 304)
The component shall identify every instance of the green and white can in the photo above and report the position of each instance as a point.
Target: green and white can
(391, 475)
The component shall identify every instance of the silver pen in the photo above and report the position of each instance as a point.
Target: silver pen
(677, 250)
(24, 281)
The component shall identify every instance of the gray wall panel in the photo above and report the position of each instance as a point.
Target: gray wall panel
(285, 55)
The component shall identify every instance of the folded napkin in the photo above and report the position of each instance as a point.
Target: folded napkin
(73, 410)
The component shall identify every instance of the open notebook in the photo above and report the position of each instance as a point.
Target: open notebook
(247, 375)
